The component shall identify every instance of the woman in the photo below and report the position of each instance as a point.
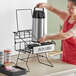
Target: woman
(69, 30)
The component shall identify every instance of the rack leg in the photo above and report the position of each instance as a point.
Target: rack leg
(28, 70)
(51, 65)
(48, 60)
(27, 63)
(17, 59)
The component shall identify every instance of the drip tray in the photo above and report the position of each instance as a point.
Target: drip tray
(22, 71)
(47, 43)
(31, 46)
(42, 48)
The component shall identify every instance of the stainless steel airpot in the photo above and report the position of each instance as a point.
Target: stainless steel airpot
(38, 24)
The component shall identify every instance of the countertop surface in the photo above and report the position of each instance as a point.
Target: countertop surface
(37, 69)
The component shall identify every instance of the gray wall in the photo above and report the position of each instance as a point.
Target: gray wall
(54, 21)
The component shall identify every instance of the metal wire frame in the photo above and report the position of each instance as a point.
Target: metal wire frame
(27, 50)
(17, 36)
(50, 64)
(17, 16)
(28, 70)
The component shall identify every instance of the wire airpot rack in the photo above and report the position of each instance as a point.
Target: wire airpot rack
(23, 44)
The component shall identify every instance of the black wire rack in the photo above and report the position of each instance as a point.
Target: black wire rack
(22, 42)
(22, 39)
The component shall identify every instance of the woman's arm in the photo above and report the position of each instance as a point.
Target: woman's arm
(60, 36)
(50, 8)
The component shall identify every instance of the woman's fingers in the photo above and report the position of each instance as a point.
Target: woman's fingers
(42, 40)
(40, 5)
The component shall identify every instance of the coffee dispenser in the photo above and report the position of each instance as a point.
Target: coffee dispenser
(38, 24)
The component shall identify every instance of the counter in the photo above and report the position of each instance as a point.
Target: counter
(36, 69)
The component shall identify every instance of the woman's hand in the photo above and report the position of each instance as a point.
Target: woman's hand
(43, 39)
(42, 5)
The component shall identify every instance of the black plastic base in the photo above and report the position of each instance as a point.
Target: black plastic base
(9, 73)
(30, 46)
